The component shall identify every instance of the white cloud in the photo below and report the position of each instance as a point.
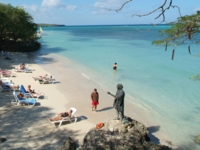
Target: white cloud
(52, 3)
(56, 4)
(31, 7)
(102, 6)
(109, 3)
(70, 7)
(102, 11)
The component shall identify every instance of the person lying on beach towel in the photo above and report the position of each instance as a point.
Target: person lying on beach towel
(10, 86)
(33, 93)
(61, 115)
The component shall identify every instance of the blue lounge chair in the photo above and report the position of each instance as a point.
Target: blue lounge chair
(26, 94)
(5, 54)
(23, 91)
(28, 101)
(5, 88)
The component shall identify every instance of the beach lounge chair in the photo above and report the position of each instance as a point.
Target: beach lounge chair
(25, 70)
(64, 119)
(5, 89)
(23, 91)
(5, 54)
(27, 101)
(40, 78)
(18, 69)
(50, 80)
(7, 73)
(7, 81)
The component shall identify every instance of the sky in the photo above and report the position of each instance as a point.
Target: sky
(96, 12)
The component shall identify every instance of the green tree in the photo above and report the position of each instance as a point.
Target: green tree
(185, 30)
(17, 29)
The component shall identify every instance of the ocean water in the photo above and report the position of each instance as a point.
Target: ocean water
(162, 86)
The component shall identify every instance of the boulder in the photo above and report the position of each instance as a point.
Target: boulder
(129, 135)
(69, 145)
(2, 140)
(197, 139)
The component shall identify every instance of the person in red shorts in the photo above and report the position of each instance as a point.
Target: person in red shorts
(95, 99)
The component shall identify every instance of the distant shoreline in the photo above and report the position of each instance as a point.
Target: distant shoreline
(61, 25)
(50, 25)
(123, 25)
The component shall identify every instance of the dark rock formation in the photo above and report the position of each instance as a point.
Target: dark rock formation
(131, 135)
(69, 145)
(197, 139)
(2, 140)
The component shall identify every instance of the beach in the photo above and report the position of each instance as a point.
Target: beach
(27, 127)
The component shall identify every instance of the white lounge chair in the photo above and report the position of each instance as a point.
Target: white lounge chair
(72, 118)
(7, 73)
(7, 81)
(48, 80)
(18, 69)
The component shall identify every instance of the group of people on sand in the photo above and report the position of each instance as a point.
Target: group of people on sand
(95, 102)
(21, 95)
(118, 102)
(31, 92)
(13, 87)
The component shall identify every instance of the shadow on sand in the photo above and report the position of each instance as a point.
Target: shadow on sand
(104, 109)
(153, 129)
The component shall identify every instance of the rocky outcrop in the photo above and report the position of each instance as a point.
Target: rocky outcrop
(131, 135)
(197, 139)
(2, 140)
(69, 145)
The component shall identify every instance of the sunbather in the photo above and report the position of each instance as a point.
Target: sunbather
(33, 93)
(10, 86)
(40, 78)
(20, 95)
(61, 115)
(22, 66)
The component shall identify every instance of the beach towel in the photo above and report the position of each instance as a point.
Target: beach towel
(99, 125)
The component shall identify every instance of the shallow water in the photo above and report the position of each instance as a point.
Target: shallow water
(162, 86)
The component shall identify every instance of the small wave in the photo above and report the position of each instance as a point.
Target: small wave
(85, 76)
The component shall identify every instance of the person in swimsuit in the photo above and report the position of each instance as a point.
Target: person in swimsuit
(33, 93)
(9, 86)
(95, 99)
(61, 115)
(115, 66)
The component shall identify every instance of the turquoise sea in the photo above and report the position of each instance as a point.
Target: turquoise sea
(161, 86)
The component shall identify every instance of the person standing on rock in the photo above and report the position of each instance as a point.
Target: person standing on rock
(119, 101)
(95, 99)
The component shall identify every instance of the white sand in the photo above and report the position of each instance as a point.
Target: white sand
(72, 89)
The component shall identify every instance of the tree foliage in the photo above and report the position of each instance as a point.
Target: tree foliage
(185, 29)
(16, 27)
